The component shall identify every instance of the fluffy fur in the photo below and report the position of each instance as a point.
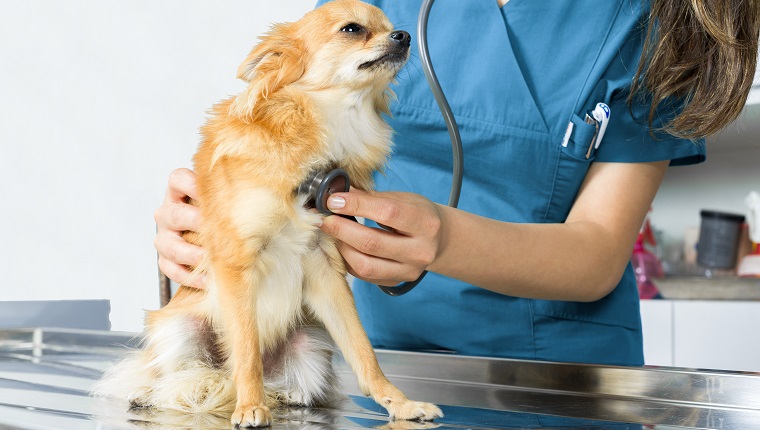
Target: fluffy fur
(276, 286)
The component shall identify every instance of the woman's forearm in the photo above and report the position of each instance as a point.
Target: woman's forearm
(581, 259)
(577, 261)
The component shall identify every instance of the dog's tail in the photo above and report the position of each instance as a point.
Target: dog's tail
(193, 387)
(175, 368)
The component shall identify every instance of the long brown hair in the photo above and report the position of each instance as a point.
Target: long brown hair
(702, 53)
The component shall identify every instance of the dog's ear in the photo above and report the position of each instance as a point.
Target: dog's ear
(278, 60)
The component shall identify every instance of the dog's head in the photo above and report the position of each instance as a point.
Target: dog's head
(343, 44)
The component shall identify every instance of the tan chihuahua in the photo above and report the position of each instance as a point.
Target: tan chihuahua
(255, 338)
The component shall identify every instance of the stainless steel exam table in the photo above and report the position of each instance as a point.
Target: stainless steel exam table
(45, 375)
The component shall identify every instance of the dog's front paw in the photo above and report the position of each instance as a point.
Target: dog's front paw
(411, 410)
(252, 416)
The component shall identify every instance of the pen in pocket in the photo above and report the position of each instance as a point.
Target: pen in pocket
(599, 117)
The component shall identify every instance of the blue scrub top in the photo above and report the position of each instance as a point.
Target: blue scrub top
(515, 77)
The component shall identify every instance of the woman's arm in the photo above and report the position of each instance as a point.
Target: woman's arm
(580, 260)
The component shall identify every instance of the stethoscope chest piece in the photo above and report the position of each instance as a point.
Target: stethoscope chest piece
(321, 185)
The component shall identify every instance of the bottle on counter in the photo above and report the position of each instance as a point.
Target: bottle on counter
(646, 265)
(750, 264)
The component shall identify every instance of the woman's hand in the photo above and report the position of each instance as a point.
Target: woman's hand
(413, 238)
(173, 217)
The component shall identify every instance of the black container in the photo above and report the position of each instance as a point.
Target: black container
(719, 234)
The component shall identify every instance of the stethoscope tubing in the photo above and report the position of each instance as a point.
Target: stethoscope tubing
(451, 126)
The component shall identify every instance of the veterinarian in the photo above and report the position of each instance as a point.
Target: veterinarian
(535, 262)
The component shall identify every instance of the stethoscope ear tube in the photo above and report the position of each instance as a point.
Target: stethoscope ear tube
(451, 125)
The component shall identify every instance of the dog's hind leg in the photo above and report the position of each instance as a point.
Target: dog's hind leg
(329, 297)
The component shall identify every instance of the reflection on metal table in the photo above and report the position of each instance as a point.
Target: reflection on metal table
(45, 375)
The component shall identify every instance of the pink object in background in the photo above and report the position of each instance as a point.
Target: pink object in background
(645, 264)
(750, 264)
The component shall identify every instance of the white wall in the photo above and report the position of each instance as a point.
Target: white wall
(99, 101)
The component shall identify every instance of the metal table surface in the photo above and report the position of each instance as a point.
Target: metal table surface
(45, 375)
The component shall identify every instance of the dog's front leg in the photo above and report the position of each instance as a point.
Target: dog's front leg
(330, 299)
(238, 314)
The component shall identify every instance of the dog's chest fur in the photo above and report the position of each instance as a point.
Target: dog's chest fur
(279, 232)
(356, 133)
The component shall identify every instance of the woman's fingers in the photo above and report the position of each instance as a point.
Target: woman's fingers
(378, 243)
(175, 213)
(177, 217)
(182, 184)
(176, 249)
(181, 274)
(376, 270)
(175, 258)
(398, 211)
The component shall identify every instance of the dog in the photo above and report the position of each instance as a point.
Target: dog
(277, 301)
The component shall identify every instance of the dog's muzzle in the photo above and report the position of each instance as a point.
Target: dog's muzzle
(398, 50)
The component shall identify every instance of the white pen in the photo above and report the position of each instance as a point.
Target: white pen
(601, 114)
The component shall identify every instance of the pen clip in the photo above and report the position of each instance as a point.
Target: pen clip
(599, 117)
(602, 115)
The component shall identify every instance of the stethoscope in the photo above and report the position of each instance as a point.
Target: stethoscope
(320, 185)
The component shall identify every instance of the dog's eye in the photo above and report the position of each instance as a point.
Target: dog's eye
(352, 28)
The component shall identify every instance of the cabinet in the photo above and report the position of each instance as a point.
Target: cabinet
(702, 334)
(657, 325)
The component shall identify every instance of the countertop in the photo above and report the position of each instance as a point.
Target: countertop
(45, 376)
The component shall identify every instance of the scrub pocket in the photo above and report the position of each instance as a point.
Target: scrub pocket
(581, 139)
(609, 327)
(619, 308)
(572, 166)
(567, 339)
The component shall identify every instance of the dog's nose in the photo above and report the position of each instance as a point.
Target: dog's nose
(402, 38)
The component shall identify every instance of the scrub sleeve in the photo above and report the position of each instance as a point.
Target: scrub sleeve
(515, 79)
